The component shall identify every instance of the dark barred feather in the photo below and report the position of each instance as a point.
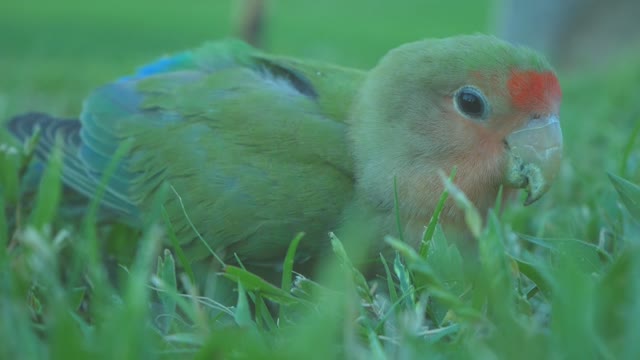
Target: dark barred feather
(23, 127)
(67, 133)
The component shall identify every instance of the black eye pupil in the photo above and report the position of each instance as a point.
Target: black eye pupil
(470, 103)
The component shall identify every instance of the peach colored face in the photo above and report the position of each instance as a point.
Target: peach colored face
(522, 129)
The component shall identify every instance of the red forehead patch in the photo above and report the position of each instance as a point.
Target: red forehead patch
(532, 90)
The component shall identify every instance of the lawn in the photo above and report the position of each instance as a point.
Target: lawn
(558, 279)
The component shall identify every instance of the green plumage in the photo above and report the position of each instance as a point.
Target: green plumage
(256, 148)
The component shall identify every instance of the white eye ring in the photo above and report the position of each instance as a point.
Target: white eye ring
(470, 102)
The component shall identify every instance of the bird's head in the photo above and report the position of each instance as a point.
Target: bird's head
(475, 102)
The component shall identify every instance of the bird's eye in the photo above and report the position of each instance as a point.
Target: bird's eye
(470, 102)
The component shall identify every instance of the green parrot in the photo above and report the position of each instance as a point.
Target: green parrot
(256, 148)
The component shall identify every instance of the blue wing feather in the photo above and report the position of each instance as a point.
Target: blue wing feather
(176, 62)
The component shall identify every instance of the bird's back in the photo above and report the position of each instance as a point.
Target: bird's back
(252, 147)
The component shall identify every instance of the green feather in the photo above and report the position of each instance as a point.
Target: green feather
(254, 146)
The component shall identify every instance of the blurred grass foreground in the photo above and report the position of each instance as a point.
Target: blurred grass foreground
(560, 279)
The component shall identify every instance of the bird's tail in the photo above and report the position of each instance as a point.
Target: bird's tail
(67, 130)
(79, 187)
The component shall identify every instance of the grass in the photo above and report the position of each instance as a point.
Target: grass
(558, 279)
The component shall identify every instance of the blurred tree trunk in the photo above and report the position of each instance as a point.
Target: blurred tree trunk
(251, 22)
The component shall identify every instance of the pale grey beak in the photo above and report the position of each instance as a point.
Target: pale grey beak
(534, 155)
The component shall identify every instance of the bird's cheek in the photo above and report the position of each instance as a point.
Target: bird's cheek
(534, 153)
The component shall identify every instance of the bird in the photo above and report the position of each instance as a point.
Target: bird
(258, 147)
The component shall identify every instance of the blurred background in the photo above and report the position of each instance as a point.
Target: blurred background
(52, 54)
(114, 36)
(76, 45)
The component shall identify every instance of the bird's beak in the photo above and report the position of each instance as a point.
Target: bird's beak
(534, 153)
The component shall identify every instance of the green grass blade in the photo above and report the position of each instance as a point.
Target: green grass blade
(253, 283)
(287, 266)
(263, 315)
(629, 194)
(358, 278)
(9, 180)
(404, 279)
(242, 314)
(433, 222)
(391, 286)
(396, 205)
(166, 272)
(628, 149)
(182, 257)
(49, 191)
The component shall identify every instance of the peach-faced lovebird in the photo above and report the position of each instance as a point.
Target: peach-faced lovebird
(257, 148)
